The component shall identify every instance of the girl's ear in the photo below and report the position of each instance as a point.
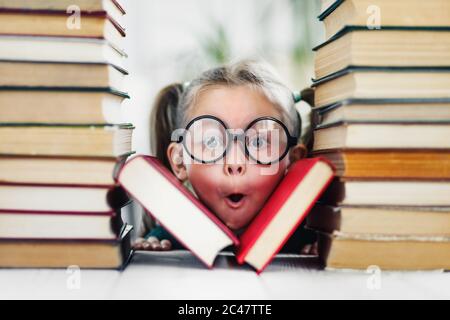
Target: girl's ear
(175, 156)
(298, 152)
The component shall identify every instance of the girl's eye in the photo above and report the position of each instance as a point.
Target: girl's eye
(258, 142)
(212, 142)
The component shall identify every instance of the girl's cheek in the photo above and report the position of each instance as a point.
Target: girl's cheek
(203, 175)
(264, 176)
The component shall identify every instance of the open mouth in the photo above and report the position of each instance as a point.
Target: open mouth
(236, 197)
(235, 200)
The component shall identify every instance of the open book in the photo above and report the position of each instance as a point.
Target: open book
(283, 213)
(200, 231)
(179, 211)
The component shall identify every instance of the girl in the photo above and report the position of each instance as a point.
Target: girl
(226, 171)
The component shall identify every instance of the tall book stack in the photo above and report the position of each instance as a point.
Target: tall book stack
(61, 137)
(382, 117)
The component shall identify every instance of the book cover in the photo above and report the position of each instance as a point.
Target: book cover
(291, 202)
(165, 198)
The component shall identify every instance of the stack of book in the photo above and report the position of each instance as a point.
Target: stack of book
(61, 137)
(382, 118)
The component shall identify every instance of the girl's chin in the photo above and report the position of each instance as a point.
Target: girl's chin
(235, 219)
(233, 226)
(236, 226)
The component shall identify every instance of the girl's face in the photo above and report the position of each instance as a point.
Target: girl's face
(236, 188)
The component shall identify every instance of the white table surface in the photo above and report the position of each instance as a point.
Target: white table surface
(180, 276)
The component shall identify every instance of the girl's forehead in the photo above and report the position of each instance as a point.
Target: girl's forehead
(235, 105)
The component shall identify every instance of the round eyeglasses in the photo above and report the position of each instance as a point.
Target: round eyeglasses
(207, 139)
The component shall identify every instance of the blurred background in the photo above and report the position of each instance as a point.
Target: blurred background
(174, 40)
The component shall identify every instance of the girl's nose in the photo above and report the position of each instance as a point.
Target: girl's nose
(235, 160)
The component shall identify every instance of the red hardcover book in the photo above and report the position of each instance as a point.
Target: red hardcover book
(178, 210)
(283, 213)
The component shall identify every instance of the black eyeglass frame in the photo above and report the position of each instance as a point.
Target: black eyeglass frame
(232, 137)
